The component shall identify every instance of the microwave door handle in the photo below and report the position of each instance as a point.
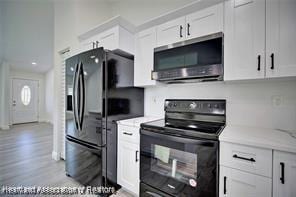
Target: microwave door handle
(82, 99)
(74, 97)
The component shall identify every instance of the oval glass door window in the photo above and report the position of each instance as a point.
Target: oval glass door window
(26, 95)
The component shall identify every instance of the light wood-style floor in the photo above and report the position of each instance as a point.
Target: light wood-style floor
(25, 158)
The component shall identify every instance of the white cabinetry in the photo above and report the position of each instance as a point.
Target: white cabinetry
(171, 32)
(259, 39)
(128, 158)
(204, 22)
(280, 38)
(234, 183)
(245, 171)
(128, 166)
(200, 23)
(111, 39)
(145, 44)
(244, 39)
(284, 174)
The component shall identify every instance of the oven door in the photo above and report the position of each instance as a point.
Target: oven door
(179, 166)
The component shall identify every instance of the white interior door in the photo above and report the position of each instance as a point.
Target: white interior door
(24, 101)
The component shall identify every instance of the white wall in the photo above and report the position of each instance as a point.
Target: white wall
(49, 95)
(4, 96)
(1, 32)
(267, 104)
(28, 31)
(41, 79)
(138, 12)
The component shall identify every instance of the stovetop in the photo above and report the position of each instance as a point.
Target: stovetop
(204, 130)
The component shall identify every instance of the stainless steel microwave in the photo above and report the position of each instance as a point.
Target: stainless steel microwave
(199, 59)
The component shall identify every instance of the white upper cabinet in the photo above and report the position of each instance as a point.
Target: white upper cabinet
(204, 22)
(280, 38)
(284, 174)
(111, 39)
(144, 57)
(171, 32)
(244, 43)
(200, 23)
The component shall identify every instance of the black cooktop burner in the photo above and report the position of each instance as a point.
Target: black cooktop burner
(191, 118)
(201, 129)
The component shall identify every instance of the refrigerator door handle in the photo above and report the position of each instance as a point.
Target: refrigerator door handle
(74, 97)
(84, 145)
(82, 94)
(78, 97)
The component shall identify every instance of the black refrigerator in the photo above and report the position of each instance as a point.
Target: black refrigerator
(99, 91)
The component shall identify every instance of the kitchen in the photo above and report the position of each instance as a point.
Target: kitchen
(202, 80)
(196, 99)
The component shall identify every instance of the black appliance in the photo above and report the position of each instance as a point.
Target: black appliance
(100, 85)
(179, 155)
(198, 59)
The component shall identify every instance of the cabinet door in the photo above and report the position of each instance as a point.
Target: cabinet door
(234, 183)
(284, 174)
(204, 22)
(171, 32)
(109, 39)
(87, 45)
(280, 38)
(128, 166)
(145, 43)
(244, 45)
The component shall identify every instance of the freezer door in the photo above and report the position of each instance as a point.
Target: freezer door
(84, 163)
(85, 96)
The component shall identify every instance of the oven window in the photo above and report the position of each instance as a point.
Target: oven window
(177, 165)
(174, 163)
(197, 54)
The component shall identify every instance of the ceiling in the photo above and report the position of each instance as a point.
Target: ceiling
(28, 30)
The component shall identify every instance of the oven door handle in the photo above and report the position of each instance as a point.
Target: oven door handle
(180, 139)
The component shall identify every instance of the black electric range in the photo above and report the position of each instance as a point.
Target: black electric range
(180, 153)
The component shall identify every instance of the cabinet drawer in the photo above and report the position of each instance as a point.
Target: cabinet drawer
(129, 134)
(250, 159)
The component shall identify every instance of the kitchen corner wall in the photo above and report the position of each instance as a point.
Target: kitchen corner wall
(267, 103)
(4, 95)
(1, 32)
(49, 95)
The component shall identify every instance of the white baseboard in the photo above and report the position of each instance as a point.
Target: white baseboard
(46, 121)
(55, 155)
(4, 127)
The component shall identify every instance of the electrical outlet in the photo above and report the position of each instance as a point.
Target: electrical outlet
(277, 100)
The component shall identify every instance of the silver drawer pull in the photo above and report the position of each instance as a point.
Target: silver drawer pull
(126, 133)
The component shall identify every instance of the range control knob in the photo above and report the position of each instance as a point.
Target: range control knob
(192, 105)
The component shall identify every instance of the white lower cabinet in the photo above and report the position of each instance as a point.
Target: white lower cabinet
(128, 166)
(247, 171)
(284, 174)
(128, 158)
(234, 183)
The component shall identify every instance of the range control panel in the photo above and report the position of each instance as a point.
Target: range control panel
(217, 107)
